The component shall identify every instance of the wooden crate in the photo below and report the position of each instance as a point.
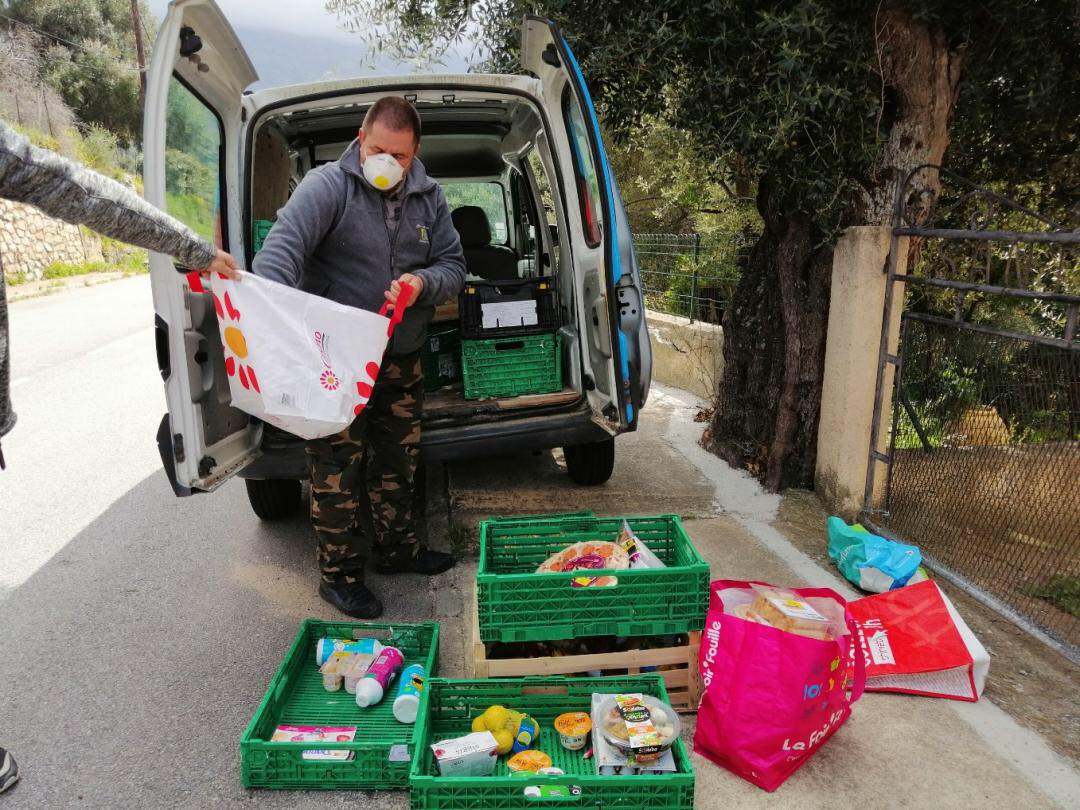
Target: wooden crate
(683, 681)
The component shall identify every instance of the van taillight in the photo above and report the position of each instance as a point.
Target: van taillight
(592, 226)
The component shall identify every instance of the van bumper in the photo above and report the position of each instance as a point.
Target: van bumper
(284, 457)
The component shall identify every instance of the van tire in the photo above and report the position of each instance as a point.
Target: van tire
(273, 498)
(590, 464)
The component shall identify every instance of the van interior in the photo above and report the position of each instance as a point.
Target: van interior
(489, 152)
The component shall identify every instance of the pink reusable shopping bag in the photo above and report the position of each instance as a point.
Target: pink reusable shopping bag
(771, 698)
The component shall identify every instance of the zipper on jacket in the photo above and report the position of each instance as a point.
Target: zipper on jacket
(397, 229)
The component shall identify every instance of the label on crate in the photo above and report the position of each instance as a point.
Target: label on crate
(552, 793)
(399, 753)
(318, 734)
(509, 313)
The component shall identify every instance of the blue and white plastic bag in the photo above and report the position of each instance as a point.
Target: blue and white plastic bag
(871, 562)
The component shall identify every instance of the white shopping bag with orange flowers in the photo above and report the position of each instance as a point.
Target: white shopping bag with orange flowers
(298, 361)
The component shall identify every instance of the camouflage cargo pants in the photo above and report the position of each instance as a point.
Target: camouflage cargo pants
(378, 450)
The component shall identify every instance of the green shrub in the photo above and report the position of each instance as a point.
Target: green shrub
(1063, 592)
(68, 269)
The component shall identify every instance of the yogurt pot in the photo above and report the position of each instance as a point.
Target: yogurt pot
(573, 728)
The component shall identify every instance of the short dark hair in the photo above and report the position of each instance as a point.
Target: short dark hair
(395, 113)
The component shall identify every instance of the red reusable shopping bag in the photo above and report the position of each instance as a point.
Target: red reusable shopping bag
(914, 641)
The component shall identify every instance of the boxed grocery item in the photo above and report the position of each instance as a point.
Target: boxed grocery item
(472, 755)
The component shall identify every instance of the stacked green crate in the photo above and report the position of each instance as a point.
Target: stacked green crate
(511, 345)
(512, 366)
(514, 603)
(441, 356)
(259, 229)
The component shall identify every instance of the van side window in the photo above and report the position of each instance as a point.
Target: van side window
(588, 184)
(193, 163)
(490, 196)
(543, 185)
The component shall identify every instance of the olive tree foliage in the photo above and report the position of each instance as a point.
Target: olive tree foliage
(817, 108)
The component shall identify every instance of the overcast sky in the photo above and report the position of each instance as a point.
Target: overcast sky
(293, 41)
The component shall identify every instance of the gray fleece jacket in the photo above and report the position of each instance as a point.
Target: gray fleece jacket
(331, 239)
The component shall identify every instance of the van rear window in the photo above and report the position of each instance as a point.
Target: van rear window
(586, 180)
(193, 173)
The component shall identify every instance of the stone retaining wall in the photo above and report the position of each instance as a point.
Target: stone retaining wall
(30, 241)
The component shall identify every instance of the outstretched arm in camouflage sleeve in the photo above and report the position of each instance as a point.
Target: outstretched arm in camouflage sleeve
(75, 194)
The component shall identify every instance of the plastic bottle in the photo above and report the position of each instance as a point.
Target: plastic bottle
(408, 695)
(328, 646)
(371, 688)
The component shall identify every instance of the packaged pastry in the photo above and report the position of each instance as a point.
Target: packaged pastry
(588, 555)
(354, 669)
(786, 610)
(333, 670)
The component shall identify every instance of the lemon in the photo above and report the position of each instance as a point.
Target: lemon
(505, 740)
(496, 717)
(478, 723)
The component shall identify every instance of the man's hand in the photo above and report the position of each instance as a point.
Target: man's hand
(225, 264)
(416, 282)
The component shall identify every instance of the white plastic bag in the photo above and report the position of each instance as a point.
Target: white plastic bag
(298, 361)
(641, 556)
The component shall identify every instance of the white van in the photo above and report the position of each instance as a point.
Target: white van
(524, 148)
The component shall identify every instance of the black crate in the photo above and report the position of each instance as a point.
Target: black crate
(477, 294)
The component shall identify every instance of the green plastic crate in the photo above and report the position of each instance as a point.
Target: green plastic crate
(441, 357)
(383, 747)
(446, 710)
(259, 229)
(512, 366)
(516, 604)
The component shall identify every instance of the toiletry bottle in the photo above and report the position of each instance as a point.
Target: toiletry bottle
(408, 696)
(371, 688)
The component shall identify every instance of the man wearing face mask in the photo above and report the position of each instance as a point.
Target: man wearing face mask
(357, 231)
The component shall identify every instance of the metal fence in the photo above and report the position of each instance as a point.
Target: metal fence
(692, 275)
(983, 459)
(986, 465)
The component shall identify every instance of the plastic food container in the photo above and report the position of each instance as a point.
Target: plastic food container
(528, 761)
(640, 726)
(573, 728)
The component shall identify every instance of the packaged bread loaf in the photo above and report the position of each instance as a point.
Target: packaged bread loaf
(787, 611)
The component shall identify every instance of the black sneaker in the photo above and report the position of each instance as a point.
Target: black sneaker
(426, 562)
(352, 599)
(9, 771)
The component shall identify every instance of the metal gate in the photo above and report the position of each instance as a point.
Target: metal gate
(982, 466)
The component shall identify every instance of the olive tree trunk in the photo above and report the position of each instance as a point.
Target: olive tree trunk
(769, 400)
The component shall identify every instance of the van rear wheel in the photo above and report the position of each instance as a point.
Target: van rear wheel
(273, 498)
(590, 464)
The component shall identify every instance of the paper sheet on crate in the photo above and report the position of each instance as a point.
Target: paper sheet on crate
(509, 313)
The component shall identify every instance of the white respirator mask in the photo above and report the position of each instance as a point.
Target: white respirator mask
(382, 171)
